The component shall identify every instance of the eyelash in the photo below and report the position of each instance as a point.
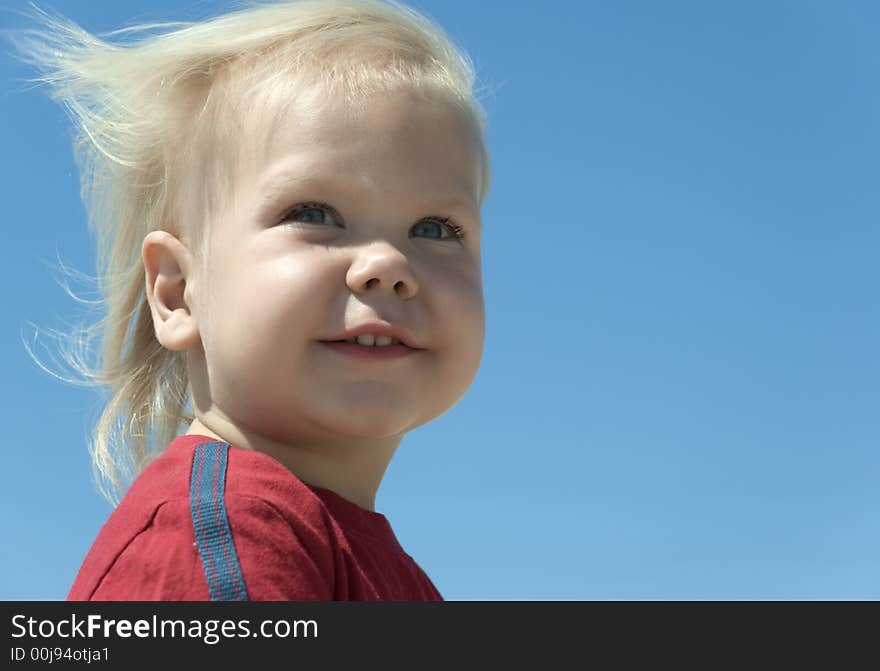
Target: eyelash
(448, 222)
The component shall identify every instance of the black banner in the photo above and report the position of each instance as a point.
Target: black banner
(549, 635)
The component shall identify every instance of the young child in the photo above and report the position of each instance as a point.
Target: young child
(287, 205)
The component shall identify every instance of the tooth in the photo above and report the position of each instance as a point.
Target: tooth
(370, 340)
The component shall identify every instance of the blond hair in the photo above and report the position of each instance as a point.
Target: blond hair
(151, 118)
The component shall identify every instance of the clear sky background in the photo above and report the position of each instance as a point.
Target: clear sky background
(679, 393)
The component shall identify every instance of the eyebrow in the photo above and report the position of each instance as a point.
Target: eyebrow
(276, 183)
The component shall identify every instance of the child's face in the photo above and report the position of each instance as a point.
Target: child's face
(273, 290)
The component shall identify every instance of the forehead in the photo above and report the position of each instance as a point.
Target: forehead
(396, 142)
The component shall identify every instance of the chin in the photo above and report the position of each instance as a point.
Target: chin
(369, 420)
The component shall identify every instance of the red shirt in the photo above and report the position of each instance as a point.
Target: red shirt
(258, 533)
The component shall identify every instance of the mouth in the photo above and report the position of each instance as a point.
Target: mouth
(375, 346)
(368, 352)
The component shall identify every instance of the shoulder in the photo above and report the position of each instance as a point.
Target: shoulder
(282, 556)
(206, 520)
(253, 476)
(282, 530)
(164, 481)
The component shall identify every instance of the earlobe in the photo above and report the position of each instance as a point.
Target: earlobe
(167, 266)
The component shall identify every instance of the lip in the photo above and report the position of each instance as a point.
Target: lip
(370, 352)
(399, 332)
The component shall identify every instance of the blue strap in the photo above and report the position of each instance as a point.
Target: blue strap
(211, 524)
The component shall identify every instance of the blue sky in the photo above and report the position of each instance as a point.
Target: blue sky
(679, 393)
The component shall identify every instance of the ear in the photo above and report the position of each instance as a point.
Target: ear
(167, 266)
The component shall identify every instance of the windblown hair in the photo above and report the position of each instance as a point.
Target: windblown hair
(153, 121)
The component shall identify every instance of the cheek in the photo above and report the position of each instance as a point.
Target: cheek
(257, 308)
(463, 303)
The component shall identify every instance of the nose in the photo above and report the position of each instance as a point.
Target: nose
(382, 266)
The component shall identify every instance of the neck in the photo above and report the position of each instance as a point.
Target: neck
(354, 471)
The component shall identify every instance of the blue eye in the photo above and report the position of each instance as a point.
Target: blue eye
(310, 209)
(455, 231)
(298, 210)
(444, 223)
